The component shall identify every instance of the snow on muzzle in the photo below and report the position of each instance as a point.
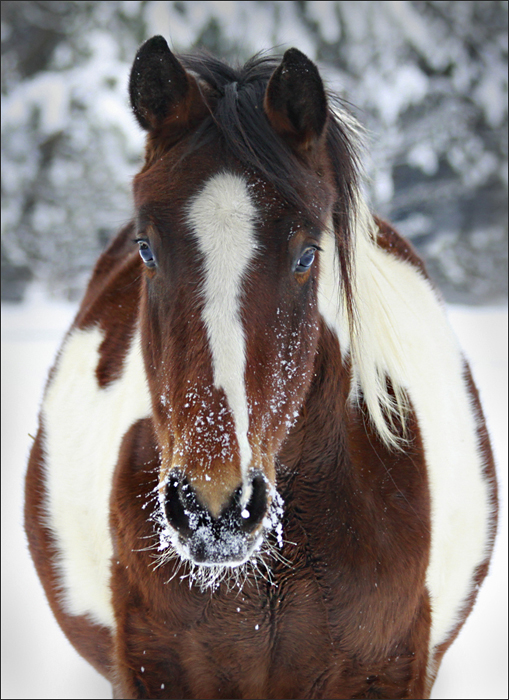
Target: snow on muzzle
(229, 538)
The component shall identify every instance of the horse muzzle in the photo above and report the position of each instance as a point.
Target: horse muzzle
(228, 538)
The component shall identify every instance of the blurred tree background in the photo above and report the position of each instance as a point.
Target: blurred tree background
(427, 79)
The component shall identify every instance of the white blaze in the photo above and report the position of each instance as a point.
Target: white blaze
(222, 218)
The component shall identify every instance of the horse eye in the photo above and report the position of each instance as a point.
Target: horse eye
(306, 260)
(146, 253)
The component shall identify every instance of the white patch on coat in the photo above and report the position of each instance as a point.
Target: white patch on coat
(84, 426)
(402, 332)
(222, 218)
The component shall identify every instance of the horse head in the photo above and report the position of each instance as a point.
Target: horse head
(231, 205)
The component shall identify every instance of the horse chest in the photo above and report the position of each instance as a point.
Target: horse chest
(258, 641)
(297, 638)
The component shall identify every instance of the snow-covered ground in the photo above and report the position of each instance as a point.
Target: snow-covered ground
(37, 660)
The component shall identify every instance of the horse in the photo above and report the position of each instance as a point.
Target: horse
(262, 468)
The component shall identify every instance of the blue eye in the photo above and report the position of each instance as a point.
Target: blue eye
(306, 260)
(146, 253)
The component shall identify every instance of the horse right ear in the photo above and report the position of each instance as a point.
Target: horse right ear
(160, 89)
(295, 101)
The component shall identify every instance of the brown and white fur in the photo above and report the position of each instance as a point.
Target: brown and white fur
(262, 468)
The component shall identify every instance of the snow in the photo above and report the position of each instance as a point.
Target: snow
(37, 660)
(428, 81)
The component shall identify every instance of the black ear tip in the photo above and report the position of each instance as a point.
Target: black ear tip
(295, 100)
(156, 44)
(293, 57)
(157, 81)
(157, 40)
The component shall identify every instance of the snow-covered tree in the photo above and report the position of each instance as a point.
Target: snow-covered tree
(428, 80)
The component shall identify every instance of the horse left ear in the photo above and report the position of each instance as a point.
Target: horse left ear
(295, 101)
(160, 89)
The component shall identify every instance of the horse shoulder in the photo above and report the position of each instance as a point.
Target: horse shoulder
(429, 365)
(388, 239)
(96, 390)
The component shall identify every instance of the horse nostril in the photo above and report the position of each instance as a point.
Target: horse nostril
(181, 505)
(253, 512)
(214, 539)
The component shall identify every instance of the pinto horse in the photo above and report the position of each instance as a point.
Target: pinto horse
(262, 468)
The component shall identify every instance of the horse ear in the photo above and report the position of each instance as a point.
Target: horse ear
(159, 87)
(295, 101)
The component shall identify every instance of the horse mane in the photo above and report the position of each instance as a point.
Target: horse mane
(237, 117)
